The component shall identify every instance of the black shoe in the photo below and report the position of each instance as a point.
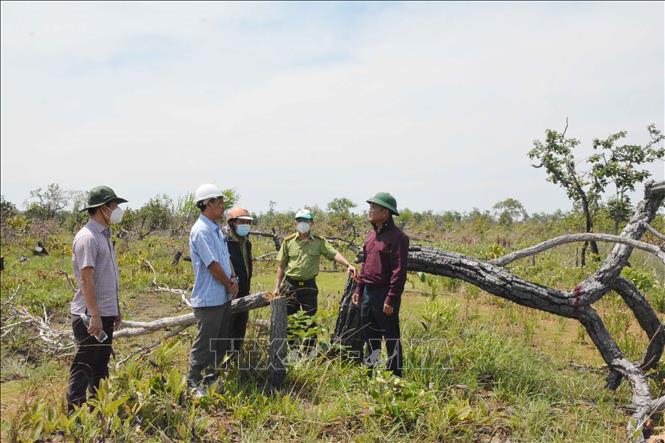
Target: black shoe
(197, 388)
(212, 379)
(209, 379)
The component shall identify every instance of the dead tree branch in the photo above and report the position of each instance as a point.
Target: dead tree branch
(55, 340)
(156, 287)
(270, 256)
(69, 281)
(571, 238)
(577, 303)
(351, 244)
(147, 349)
(58, 340)
(348, 243)
(241, 304)
(597, 285)
(277, 239)
(651, 229)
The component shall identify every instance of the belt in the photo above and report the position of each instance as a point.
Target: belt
(295, 282)
(377, 285)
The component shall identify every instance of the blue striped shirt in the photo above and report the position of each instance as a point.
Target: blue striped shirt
(206, 245)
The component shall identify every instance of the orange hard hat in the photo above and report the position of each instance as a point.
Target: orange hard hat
(238, 212)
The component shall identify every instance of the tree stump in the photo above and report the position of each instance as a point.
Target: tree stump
(278, 344)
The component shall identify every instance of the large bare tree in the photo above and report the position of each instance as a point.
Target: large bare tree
(493, 277)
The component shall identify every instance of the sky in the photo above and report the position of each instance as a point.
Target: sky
(301, 103)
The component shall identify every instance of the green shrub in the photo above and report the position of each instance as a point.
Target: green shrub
(644, 280)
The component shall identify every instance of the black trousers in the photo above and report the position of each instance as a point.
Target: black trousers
(377, 325)
(90, 363)
(238, 330)
(301, 295)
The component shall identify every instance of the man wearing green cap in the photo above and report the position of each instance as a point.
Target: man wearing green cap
(382, 280)
(299, 258)
(96, 300)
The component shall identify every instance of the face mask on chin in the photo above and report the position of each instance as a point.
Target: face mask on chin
(303, 227)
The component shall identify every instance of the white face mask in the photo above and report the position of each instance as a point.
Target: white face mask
(116, 215)
(303, 227)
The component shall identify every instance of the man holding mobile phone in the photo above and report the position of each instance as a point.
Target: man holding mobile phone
(96, 271)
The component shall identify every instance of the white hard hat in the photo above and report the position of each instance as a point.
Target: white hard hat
(304, 214)
(207, 191)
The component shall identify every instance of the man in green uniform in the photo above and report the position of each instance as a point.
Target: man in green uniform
(299, 259)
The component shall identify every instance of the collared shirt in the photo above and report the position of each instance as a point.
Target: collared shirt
(302, 257)
(92, 247)
(206, 245)
(385, 252)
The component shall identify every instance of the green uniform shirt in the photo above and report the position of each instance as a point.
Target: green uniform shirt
(301, 258)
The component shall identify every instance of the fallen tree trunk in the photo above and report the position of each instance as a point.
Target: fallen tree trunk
(493, 278)
(242, 304)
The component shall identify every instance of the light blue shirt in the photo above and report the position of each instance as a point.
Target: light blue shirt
(206, 245)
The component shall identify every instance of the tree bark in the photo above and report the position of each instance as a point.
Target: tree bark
(587, 216)
(278, 344)
(647, 319)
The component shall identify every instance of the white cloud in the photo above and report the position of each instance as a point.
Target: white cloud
(437, 103)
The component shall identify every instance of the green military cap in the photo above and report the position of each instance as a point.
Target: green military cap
(100, 195)
(385, 200)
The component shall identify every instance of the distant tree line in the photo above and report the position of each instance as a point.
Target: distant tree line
(598, 187)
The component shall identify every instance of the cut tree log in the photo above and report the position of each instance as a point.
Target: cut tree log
(278, 343)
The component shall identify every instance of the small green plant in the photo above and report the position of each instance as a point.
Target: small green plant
(438, 318)
(432, 283)
(529, 323)
(644, 280)
(302, 328)
(657, 297)
(618, 324)
(397, 399)
(494, 250)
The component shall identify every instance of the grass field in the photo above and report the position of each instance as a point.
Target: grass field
(493, 370)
